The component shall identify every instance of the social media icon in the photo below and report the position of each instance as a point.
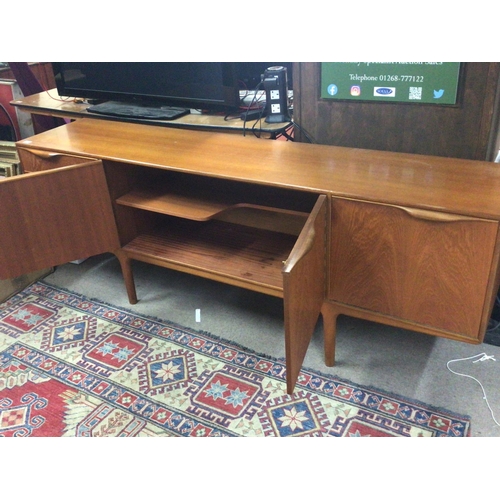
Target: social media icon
(438, 93)
(332, 89)
(355, 90)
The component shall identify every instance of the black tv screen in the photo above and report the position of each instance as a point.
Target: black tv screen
(203, 85)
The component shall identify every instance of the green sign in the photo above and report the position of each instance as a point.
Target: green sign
(412, 82)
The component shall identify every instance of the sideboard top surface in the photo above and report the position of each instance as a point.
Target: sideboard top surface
(459, 186)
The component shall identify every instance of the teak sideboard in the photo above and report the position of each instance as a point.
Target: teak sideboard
(405, 240)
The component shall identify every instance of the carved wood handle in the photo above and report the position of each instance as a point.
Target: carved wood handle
(303, 247)
(43, 154)
(429, 215)
(306, 239)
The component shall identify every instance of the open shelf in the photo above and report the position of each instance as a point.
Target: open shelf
(244, 256)
(173, 202)
(202, 199)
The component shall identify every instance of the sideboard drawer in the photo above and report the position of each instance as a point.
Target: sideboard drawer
(34, 160)
(415, 265)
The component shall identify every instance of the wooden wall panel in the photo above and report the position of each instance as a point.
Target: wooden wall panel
(467, 130)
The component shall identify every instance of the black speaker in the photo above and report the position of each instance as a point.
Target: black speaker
(276, 87)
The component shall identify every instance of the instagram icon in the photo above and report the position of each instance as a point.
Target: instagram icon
(355, 90)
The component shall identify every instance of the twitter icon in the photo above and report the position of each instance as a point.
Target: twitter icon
(438, 93)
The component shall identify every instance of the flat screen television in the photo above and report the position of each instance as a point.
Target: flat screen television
(161, 90)
(211, 86)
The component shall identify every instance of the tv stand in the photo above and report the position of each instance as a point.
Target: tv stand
(138, 110)
(411, 241)
(50, 103)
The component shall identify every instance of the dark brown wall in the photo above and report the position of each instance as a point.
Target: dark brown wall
(467, 130)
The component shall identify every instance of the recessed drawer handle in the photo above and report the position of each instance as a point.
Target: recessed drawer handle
(43, 154)
(435, 216)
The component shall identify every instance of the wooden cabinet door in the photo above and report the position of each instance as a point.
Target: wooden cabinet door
(420, 266)
(304, 289)
(53, 217)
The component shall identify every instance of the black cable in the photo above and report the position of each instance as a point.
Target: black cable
(287, 132)
(249, 107)
(259, 121)
(308, 137)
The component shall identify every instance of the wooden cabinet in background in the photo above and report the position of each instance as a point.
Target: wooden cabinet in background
(42, 70)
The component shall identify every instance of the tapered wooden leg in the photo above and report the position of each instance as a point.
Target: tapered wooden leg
(330, 315)
(128, 276)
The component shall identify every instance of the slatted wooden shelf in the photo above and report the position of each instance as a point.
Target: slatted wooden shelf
(245, 256)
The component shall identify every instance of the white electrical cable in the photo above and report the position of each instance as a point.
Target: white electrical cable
(484, 357)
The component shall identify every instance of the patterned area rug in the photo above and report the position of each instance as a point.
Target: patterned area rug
(71, 366)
